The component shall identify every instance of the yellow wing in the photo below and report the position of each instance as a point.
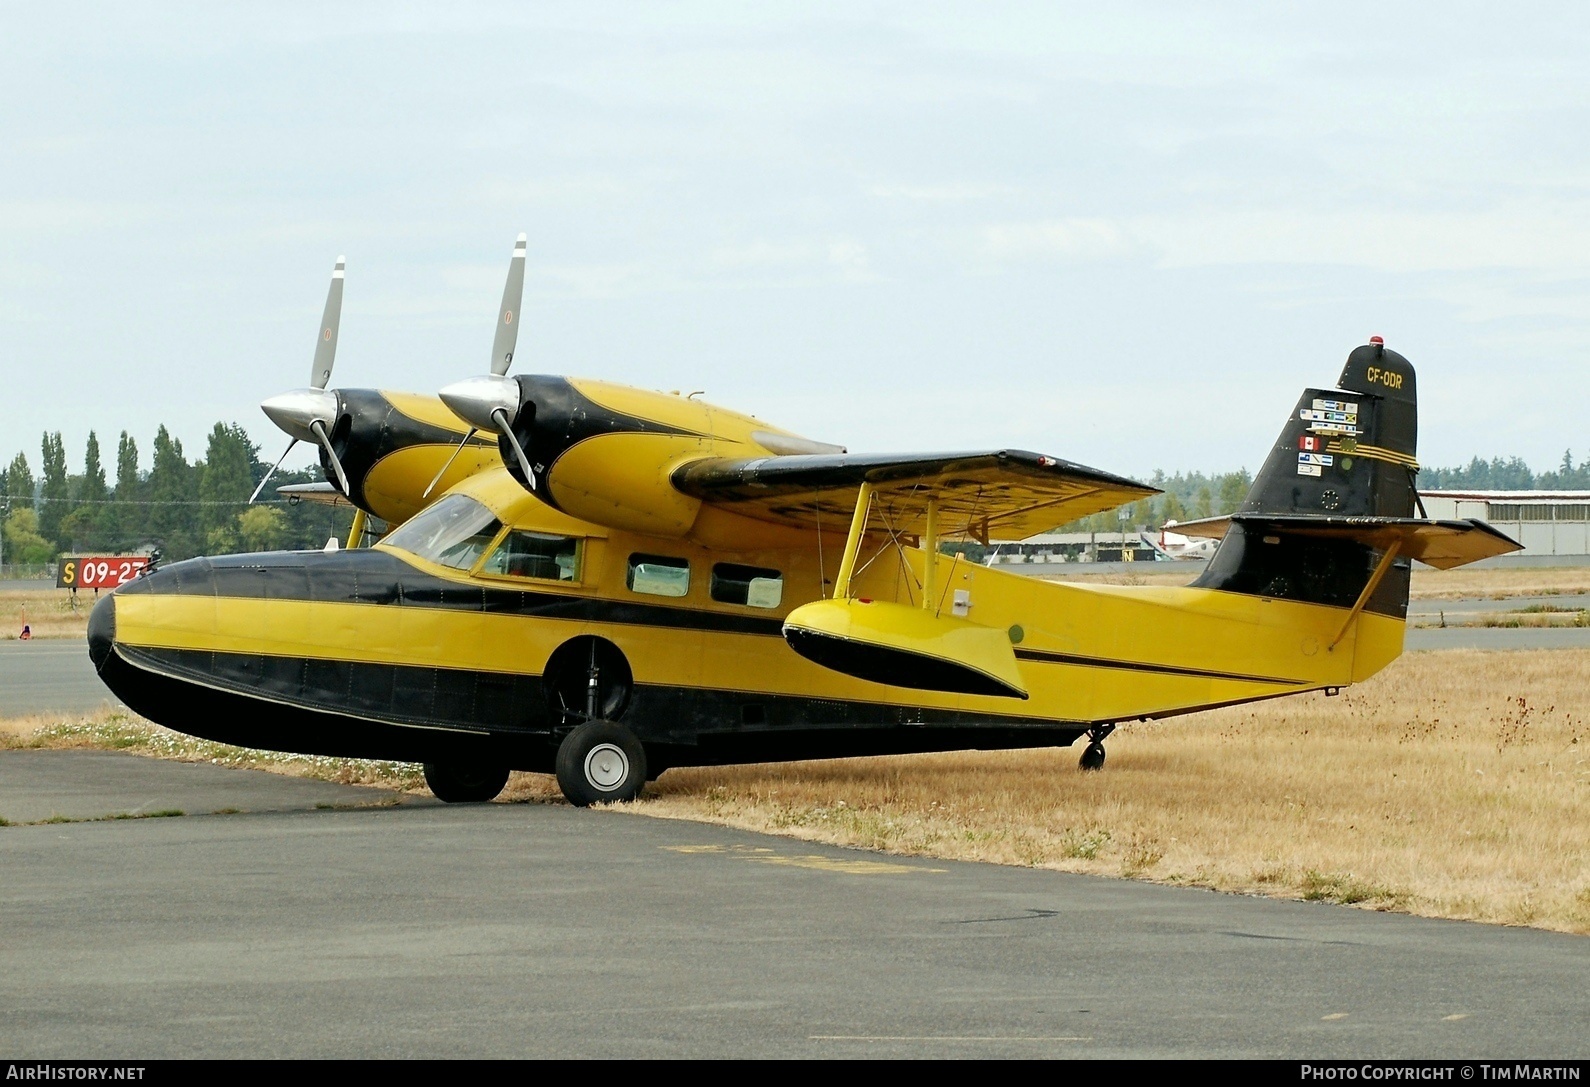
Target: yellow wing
(1009, 493)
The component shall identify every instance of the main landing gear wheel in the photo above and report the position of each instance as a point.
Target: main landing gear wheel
(600, 762)
(464, 783)
(1093, 755)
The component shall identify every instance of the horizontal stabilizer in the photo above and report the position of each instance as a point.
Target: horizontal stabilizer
(1008, 492)
(1442, 544)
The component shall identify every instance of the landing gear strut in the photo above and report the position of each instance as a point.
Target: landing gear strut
(1093, 755)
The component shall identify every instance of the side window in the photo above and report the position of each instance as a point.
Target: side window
(534, 554)
(752, 586)
(658, 575)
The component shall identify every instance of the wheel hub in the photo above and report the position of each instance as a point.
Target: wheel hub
(606, 767)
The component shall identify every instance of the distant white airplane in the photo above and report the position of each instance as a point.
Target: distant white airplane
(1173, 545)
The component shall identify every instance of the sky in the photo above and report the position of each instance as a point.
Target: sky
(1128, 237)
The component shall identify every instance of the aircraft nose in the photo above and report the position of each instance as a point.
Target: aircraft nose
(102, 630)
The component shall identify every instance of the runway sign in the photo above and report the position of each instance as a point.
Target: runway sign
(99, 572)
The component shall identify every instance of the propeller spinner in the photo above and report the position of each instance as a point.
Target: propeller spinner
(307, 415)
(491, 401)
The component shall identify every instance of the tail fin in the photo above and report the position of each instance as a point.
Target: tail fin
(1347, 452)
(1336, 497)
(1344, 453)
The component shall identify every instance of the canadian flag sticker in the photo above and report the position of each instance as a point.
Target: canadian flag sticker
(1310, 443)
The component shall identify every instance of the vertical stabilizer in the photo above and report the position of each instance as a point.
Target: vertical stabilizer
(1347, 451)
(1344, 452)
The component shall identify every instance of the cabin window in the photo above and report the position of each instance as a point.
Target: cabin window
(658, 575)
(752, 586)
(535, 554)
(453, 532)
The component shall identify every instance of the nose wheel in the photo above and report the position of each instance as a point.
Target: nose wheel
(1093, 754)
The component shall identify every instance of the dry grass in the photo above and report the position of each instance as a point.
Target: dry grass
(1454, 785)
(1499, 584)
(48, 611)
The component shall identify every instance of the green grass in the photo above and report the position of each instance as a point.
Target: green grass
(1083, 844)
(163, 813)
(1347, 889)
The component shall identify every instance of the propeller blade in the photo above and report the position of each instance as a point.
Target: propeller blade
(272, 472)
(449, 464)
(501, 419)
(331, 454)
(508, 315)
(326, 345)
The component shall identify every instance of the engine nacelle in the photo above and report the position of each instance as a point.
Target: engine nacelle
(606, 453)
(392, 445)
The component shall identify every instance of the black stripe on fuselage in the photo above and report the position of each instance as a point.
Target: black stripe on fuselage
(370, 576)
(1047, 657)
(382, 711)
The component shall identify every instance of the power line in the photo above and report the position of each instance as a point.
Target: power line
(149, 502)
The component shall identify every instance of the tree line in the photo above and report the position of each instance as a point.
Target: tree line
(201, 507)
(1511, 474)
(1188, 496)
(1191, 495)
(182, 508)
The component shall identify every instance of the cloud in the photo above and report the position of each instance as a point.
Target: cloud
(1056, 239)
(952, 192)
(849, 258)
(1541, 237)
(843, 258)
(765, 254)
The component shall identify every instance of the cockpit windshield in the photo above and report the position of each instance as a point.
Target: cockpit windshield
(454, 532)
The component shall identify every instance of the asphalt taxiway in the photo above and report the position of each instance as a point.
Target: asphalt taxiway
(308, 923)
(49, 675)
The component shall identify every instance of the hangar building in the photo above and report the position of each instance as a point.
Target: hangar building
(1545, 522)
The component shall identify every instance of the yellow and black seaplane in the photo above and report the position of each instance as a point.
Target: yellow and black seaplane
(601, 582)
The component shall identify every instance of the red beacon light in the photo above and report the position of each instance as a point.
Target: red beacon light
(1378, 341)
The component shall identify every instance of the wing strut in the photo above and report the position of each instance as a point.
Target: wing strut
(1369, 590)
(858, 526)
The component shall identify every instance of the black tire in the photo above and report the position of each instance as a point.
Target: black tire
(1092, 757)
(601, 762)
(464, 782)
